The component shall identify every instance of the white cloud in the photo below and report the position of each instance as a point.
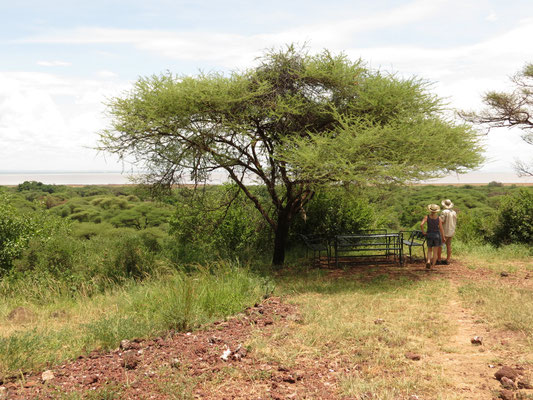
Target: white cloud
(106, 74)
(54, 63)
(492, 16)
(48, 122)
(230, 50)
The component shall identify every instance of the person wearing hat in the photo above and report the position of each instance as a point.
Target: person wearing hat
(434, 235)
(449, 222)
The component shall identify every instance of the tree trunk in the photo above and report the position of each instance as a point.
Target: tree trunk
(281, 234)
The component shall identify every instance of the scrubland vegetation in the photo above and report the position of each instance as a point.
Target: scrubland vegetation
(82, 268)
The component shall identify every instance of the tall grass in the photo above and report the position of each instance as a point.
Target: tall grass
(176, 300)
(489, 252)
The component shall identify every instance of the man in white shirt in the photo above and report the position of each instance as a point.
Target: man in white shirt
(449, 222)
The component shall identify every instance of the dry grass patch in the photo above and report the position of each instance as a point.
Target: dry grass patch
(362, 330)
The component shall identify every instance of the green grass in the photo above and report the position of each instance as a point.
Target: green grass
(176, 301)
(488, 252)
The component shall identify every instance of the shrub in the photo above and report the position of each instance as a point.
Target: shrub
(335, 211)
(16, 230)
(218, 222)
(514, 222)
(475, 225)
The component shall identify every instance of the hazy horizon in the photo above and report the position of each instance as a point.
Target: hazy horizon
(121, 177)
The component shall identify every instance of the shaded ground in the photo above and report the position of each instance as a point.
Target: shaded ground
(190, 365)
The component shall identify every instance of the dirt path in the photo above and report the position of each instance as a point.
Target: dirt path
(468, 367)
(192, 365)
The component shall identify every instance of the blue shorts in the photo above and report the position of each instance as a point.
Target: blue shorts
(433, 239)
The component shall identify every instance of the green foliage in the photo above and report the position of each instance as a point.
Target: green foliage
(17, 229)
(476, 225)
(38, 187)
(335, 211)
(294, 123)
(174, 300)
(514, 222)
(218, 222)
(70, 265)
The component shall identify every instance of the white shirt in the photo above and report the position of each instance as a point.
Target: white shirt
(449, 221)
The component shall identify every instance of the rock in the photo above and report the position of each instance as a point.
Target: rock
(175, 363)
(289, 379)
(298, 375)
(125, 344)
(30, 384)
(379, 321)
(214, 339)
(3, 393)
(477, 340)
(89, 380)
(506, 395)
(20, 315)
(508, 383)
(507, 372)
(527, 276)
(412, 356)
(239, 353)
(47, 376)
(130, 360)
(504, 274)
(225, 355)
(524, 385)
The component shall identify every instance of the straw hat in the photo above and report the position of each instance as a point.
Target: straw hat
(447, 204)
(433, 208)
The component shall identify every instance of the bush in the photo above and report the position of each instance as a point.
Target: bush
(335, 211)
(514, 222)
(475, 225)
(217, 223)
(17, 229)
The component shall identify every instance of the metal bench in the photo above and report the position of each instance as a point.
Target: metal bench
(317, 244)
(369, 244)
(416, 239)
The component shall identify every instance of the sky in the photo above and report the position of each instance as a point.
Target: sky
(62, 60)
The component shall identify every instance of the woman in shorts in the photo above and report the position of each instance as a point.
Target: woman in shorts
(434, 234)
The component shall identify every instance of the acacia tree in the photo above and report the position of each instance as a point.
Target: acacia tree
(293, 123)
(510, 109)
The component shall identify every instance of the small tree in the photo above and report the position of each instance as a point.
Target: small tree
(511, 109)
(293, 123)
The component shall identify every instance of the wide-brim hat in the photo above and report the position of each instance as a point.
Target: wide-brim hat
(433, 208)
(447, 204)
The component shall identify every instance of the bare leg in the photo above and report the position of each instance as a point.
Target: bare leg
(430, 256)
(434, 258)
(449, 248)
(439, 252)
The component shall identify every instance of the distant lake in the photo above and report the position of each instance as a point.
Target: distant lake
(117, 178)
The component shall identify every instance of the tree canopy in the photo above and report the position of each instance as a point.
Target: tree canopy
(292, 123)
(510, 109)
